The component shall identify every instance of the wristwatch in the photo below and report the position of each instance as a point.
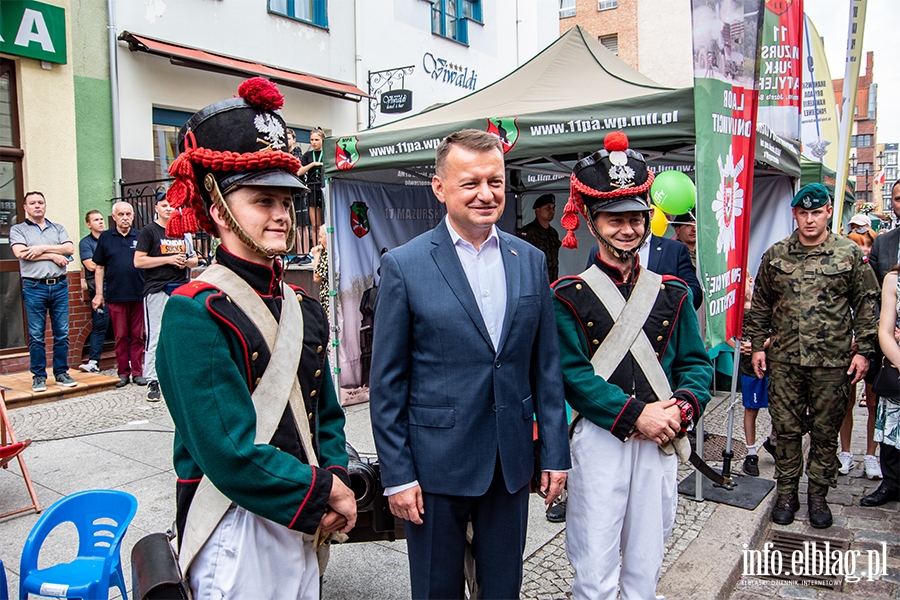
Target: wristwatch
(687, 415)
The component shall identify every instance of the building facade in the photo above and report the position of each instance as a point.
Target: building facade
(884, 184)
(41, 73)
(652, 36)
(97, 118)
(863, 158)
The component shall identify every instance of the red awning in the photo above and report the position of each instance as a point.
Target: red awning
(209, 61)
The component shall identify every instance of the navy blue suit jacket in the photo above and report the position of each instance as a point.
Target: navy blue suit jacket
(668, 257)
(444, 401)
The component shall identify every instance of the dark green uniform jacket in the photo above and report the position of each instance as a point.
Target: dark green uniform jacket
(209, 360)
(583, 323)
(811, 300)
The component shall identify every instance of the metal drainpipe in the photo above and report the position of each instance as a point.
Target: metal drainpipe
(114, 96)
(362, 108)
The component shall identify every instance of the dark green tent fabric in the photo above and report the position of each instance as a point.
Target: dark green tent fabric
(563, 101)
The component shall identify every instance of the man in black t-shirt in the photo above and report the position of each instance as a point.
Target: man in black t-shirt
(167, 264)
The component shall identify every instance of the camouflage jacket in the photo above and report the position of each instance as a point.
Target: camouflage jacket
(811, 301)
(545, 240)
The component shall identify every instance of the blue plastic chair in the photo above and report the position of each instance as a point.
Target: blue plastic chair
(101, 518)
(4, 591)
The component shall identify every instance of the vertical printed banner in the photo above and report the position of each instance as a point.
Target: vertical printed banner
(726, 50)
(780, 71)
(848, 98)
(819, 119)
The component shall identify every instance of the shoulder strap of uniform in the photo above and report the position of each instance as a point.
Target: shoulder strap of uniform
(278, 386)
(629, 318)
(193, 288)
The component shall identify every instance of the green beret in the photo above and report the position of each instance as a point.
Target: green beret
(813, 195)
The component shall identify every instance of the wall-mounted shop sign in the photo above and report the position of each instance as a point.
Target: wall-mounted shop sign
(396, 101)
(33, 29)
(441, 69)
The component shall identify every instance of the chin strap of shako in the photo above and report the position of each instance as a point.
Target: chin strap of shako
(618, 252)
(212, 187)
(191, 212)
(576, 205)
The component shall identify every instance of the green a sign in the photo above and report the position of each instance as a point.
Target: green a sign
(33, 29)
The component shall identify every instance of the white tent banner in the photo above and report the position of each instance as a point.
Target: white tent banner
(771, 220)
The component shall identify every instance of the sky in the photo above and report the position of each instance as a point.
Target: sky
(832, 18)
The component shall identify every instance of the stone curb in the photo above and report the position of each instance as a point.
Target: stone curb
(711, 565)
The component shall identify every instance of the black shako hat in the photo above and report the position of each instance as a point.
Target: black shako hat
(615, 179)
(240, 141)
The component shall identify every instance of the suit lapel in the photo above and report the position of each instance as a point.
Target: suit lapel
(447, 261)
(653, 259)
(512, 266)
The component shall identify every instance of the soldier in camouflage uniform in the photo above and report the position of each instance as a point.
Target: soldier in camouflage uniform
(812, 294)
(540, 234)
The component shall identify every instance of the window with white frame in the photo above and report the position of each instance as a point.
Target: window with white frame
(566, 8)
(607, 4)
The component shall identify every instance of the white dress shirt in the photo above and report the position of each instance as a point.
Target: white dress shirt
(487, 280)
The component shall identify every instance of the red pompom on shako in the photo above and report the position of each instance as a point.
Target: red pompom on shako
(261, 93)
(614, 179)
(616, 141)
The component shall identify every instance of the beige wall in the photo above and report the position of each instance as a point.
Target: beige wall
(46, 101)
(654, 35)
(665, 46)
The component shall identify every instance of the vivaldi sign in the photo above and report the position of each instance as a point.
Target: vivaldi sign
(396, 101)
(441, 69)
(34, 30)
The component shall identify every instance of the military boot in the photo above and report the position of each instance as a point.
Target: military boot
(819, 513)
(785, 507)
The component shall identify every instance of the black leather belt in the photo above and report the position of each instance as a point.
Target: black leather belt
(47, 280)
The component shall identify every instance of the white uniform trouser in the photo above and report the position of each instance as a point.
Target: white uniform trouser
(153, 311)
(621, 497)
(248, 556)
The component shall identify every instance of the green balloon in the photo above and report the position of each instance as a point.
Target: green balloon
(673, 192)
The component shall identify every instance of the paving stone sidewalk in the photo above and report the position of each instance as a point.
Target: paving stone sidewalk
(357, 570)
(864, 528)
(548, 574)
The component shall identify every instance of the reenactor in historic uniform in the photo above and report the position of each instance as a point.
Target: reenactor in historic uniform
(628, 338)
(259, 434)
(813, 293)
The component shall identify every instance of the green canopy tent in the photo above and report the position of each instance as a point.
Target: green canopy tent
(560, 103)
(554, 108)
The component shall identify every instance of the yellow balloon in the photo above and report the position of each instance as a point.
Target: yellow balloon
(658, 222)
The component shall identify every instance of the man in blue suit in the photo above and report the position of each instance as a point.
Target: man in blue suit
(666, 256)
(465, 355)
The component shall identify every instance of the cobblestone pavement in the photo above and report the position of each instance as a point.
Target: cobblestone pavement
(866, 529)
(85, 414)
(548, 574)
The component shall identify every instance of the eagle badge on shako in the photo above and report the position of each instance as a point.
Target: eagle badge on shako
(620, 174)
(271, 130)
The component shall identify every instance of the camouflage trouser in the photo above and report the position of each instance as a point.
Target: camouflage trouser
(823, 392)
